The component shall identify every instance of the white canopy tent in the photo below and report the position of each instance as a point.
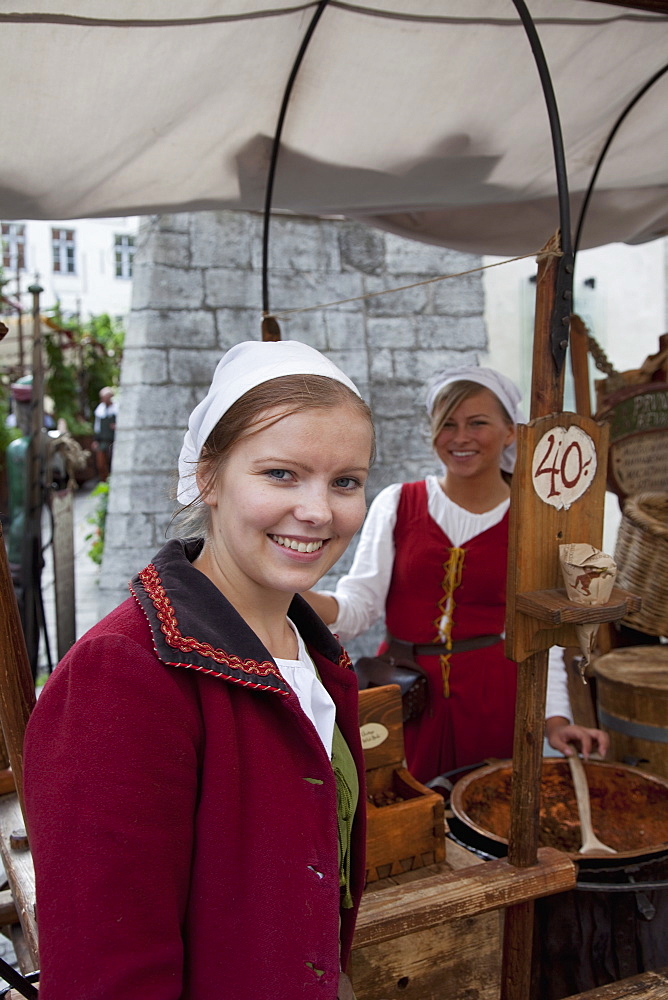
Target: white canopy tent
(424, 117)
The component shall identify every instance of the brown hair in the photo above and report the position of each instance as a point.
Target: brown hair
(255, 411)
(450, 397)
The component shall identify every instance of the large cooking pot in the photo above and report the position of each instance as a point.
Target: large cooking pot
(615, 923)
(629, 808)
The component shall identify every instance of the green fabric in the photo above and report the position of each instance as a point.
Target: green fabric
(347, 794)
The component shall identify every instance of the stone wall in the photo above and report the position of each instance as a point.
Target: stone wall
(197, 291)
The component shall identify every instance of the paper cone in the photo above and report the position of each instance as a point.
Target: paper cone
(589, 576)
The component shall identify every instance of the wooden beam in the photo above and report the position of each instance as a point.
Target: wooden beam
(547, 385)
(17, 690)
(20, 875)
(8, 914)
(417, 906)
(62, 512)
(646, 986)
(580, 365)
(554, 607)
(546, 398)
(527, 759)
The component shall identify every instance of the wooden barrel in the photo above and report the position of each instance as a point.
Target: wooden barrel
(632, 696)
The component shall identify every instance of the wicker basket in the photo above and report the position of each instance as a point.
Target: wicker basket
(641, 555)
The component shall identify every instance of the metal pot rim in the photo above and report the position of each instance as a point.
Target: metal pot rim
(457, 806)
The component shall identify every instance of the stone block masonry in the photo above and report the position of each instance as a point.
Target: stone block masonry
(197, 291)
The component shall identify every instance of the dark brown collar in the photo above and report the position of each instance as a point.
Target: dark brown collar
(195, 626)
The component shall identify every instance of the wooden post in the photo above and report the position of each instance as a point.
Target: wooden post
(270, 329)
(580, 365)
(557, 498)
(547, 384)
(32, 561)
(546, 397)
(19, 320)
(36, 408)
(62, 509)
(17, 690)
(663, 346)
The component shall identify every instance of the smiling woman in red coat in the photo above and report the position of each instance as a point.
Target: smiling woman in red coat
(193, 770)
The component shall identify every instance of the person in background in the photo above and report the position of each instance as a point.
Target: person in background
(104, 432)
(203, 739)
(432, 560)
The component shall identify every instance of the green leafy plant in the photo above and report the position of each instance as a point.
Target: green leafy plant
(82, 358)
(98, 518)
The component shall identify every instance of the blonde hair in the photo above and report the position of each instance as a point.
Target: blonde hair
(451, 396)
(253, 412)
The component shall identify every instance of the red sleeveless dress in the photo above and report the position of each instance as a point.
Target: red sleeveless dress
(472, 694)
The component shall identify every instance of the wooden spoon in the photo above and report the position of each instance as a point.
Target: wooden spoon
(590, 841)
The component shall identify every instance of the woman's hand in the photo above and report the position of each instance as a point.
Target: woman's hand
(562, 735)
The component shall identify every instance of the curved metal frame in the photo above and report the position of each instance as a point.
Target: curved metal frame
(275, 148)
(565, 279)
(564, 291)
(606, 146)
(22, 984)
(560, 319)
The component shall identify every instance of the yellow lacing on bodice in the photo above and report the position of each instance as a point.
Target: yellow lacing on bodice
(452, 578)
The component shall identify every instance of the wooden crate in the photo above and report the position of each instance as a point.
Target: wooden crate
(459, 959)
(408, 832)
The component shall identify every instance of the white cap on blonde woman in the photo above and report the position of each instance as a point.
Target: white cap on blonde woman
(503, 388)
(240, 369)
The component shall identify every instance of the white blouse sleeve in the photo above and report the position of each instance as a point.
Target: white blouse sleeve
(361, 594)
(557, 701)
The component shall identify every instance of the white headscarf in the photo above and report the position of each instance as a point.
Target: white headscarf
(242, 368)
(503, 388)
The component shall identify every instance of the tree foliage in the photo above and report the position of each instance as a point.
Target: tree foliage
(82, 358)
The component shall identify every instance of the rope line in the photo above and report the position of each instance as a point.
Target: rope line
(539, 255)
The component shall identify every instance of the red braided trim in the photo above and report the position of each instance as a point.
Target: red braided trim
(186, 644)
(345, 661)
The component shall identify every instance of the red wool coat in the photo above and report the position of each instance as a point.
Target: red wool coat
(182, 808)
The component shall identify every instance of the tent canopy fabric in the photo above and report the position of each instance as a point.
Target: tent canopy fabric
(423, 117)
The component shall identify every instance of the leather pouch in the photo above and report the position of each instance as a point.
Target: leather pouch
(396, 666)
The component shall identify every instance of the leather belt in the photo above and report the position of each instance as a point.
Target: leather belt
(442, 649)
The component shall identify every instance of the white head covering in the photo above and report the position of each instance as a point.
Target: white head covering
(503, 388)
(242, 368)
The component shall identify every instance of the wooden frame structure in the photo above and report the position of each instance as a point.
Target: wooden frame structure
(539, 615)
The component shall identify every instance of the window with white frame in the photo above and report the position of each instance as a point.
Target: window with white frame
(13, 246)
(63, 249)
(124, 252)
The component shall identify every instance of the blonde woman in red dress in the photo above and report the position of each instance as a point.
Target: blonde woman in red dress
(432, 560)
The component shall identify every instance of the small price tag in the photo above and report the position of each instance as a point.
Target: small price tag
(373, 734)
(564, 465)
